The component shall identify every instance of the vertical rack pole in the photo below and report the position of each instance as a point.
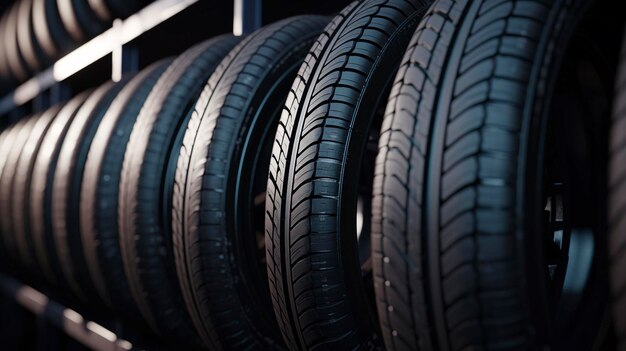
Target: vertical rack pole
(247, 16)
(124, 58)
(59, 93)
(41, 101)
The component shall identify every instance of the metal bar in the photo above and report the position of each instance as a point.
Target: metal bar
(124, 60)
(247, 16)
(59, 92)
(95, 49)
(86, 332)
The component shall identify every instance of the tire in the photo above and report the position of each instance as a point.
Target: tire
(617, 198)
(7, 177)
(80, 21)
(482, 191)
(49, 30)
(24, 43)
(89, 20)
(315, 278)
(4, 147)
(70, 20)
(66, 188)
(32, 52)
(22, 191)
(14, 58)
(100, 8)
(8, 139)
(215, 181)
(99, 192)
(40, 202)
(4, 68)
(144, 208)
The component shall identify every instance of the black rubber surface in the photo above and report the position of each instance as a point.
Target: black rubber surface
(214, 229)
(49, 29)
(146, 183)
(617, 204)
(101, 9)
(66, 188)
(4, 68)
(15, 137)
(22, 191)
(311, 237)
(7, 177)
(6, 140)
(4, 146)
(99, 192)
(24, 44)
(89, 19)
(16, 62)
(79, 19)
(33, 54)
(457, 211)
(40, 202)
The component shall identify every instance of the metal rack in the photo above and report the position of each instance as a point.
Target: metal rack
(89, 333)
(247, 18)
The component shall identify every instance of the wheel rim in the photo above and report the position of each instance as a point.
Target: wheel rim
(570, 206)
(568, 250)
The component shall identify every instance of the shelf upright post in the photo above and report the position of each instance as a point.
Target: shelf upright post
(124, 58)
(247, 16)
(59, 92)
(41, 101)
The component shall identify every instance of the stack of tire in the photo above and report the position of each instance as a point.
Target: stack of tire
(408, 175)
(35, 33)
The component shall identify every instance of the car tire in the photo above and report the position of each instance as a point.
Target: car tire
(483, 237)
(223, 164)
(314, 267)
(15, 61)
(80, 21)
(11, 136)
(7, 179)
(66, 188)
(616, 204)
(99, 192)
(40, 202)
(144, 204)
(49, 30)
(22, 192)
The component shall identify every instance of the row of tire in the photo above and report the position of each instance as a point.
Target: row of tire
(405, 175)
(35, 33)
